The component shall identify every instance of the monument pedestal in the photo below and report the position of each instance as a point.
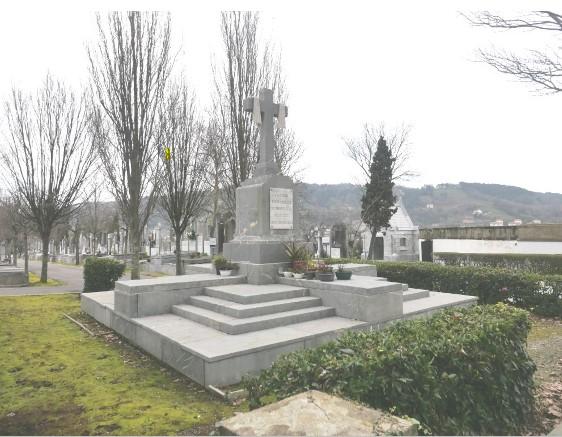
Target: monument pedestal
(265, 218)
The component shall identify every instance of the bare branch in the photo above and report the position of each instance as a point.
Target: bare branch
(539, 67)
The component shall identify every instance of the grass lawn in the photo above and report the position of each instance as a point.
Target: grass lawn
(55, 379)
(34, 281)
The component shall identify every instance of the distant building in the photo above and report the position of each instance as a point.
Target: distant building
(399, 242)
(429, 206)
(536, 222)
(498, 222)
(515, 222)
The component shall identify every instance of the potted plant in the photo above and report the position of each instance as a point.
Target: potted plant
(325, 273)
(288, 273)
(342, 273)
(298, 273)
(228, 268)
(219, 261)
(310, 272)
(297, 254)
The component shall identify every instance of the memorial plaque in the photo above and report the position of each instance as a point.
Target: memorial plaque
(281, 208)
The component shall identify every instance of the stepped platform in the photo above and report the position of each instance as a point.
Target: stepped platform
(215, 330)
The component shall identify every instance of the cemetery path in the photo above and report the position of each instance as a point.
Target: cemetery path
(71, 275)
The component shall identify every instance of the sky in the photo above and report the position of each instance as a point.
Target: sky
(402, 63)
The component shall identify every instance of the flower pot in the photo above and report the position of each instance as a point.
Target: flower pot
(300, 264)
(226, 272)
(325, 276)
(288, 274)
(298, 275)
(310, 275)
(346, 274)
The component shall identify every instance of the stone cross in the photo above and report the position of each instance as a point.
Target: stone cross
(268, 110)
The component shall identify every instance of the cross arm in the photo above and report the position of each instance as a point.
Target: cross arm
(276, 110)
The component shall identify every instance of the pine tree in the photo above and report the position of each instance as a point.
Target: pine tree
(377, 204)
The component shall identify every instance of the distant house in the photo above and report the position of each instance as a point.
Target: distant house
(399, 242)
(497, 223)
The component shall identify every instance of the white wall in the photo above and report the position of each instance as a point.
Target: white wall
(496, 246)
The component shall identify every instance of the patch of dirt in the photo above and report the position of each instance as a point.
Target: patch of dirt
(35, 421)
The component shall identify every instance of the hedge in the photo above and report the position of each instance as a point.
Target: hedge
(100, 274)
(462, 371)
(547, 264)
(541, 294)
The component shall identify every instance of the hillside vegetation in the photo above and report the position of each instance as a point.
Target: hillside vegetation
(452, 204)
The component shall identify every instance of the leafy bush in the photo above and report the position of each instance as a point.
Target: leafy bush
(547, 264)
(219, 261)
(462, 371)
(541, 294)
(100, 274)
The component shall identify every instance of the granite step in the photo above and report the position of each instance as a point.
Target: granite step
(251, 294)
(232, 325)
(414, 293)
(241, 311)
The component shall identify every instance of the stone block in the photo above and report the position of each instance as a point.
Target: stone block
(148, 340)
(123, 327)
(160, 302)
(261, 274)
(314, 413)
(127, 304)
(183, 361)
(231, 370)
(11, 276)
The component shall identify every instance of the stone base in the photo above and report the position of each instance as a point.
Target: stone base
(255, 251)
(261, 274)
(12, 277)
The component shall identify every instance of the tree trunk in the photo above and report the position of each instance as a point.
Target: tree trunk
(179, 265)
(135, 251)
(372, 244)
(14, 252)
(25, 255)
(77, 238)
(45, 257)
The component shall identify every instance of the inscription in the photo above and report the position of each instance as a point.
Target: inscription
(280, 208)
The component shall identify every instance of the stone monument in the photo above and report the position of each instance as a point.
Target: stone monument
(265, 208)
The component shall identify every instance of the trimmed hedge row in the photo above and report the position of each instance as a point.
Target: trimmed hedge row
(547, 264)
(462, 371)
(100, 274)
(541, 294)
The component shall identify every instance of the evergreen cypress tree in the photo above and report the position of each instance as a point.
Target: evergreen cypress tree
(377, 204)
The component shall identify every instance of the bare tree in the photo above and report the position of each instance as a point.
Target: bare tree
(213, 140)
(362, 149)
(48, 156)
(130, 67)
(182, 184)
(539, 67)
(247, 67)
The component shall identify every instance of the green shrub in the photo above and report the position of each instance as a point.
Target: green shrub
(541, 294)
(546, 264)
(462, 371)
(100, 274)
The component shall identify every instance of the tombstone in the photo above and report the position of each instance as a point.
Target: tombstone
(427, 250)
(265, 213)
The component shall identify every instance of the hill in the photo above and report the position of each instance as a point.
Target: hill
(444, 204)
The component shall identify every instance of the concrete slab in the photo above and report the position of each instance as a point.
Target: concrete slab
(363, 285)
(435, 302)
(165, 283)
(250, 294)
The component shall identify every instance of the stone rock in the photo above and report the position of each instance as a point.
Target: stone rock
(314, 413)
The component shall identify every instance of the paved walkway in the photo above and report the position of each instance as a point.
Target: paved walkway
(72, 276)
